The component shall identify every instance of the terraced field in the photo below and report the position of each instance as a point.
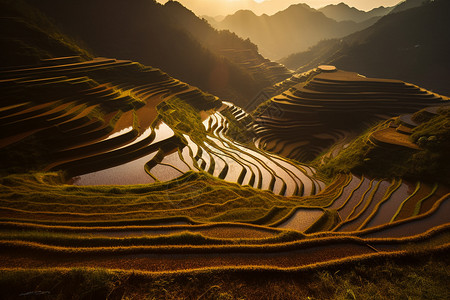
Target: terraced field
(110, 164)
(198, 221)
(328, 107)
(259, 67)
(105, 122)
(398, 130)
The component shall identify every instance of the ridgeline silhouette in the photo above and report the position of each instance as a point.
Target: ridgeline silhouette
(291, 30)
(411, 45)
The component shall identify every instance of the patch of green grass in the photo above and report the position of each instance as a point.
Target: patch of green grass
(236, 130)
(182, 118)
(434, 133)
(171, 239)
(364, 158)
(194, 197)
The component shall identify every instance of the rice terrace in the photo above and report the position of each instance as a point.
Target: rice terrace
(146, 154)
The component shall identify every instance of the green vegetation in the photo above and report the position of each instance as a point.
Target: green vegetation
(433, 133)
(187, 238)
(413, 278)
(184, 118)
(363, 157)
(197, 196)
(236, 130)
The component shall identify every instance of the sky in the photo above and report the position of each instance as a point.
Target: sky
(225, 7)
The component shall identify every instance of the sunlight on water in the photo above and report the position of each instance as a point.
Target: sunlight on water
(119, 133)
(132, 172)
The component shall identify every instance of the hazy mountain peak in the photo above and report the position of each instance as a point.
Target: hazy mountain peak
(411, 44)
(288, 31)
(301, 6)
(343, 12)
(342, 4)
(245, 13)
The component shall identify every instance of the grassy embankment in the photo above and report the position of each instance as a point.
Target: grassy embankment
(364, 157)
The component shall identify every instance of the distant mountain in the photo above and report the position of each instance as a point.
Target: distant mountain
(269, 7)
(412, 45)
(169, 37)
(288, 31)
(220, 7)
(343, 12)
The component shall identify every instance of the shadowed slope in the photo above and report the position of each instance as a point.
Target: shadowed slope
(29, 36)
(417, 40)
(169, 37)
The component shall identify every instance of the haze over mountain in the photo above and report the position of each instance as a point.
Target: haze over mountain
(412, 45)
(343, 12)
(169, 37)
(291, 30)
(259, 7)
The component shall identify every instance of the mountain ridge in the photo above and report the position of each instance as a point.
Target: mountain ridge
(285, 32)
(416, 37)
(343, 12)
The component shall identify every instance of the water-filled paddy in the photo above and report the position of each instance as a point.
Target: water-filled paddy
(216, 154)
(132, 172)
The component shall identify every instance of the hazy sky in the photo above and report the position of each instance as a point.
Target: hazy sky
(225, 7)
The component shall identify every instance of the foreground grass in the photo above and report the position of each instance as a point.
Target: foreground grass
(411, 278)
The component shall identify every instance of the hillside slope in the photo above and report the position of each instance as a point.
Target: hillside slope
(168, 37)
(27, 36)
(410, 45)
